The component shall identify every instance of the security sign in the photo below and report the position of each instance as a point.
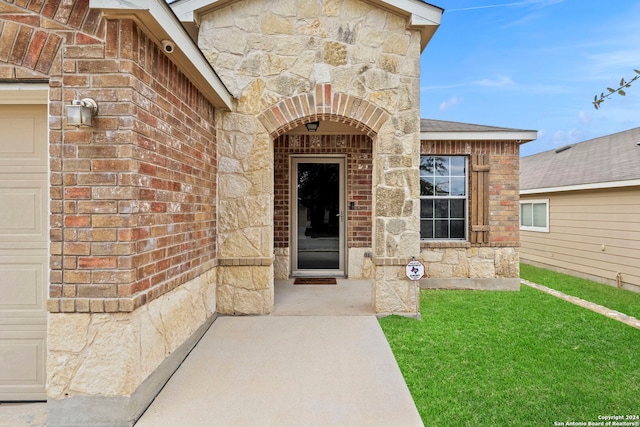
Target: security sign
(415, 270)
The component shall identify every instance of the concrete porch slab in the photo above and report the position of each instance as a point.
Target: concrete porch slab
(347, 298)
(287, 371)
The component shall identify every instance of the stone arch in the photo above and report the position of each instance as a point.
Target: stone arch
(323, 104)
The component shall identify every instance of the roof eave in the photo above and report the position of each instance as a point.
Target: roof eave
(159, 23)
(426, 31)
(520, 136)
(582, 187)
(423, 17)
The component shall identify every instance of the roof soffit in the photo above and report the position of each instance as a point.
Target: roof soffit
(422, 16)
(159, 23)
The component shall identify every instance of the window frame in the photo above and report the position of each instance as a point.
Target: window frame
(533, 227)
(449, 197)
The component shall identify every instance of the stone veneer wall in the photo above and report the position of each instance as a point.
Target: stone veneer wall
(133, 207)
(294, 61)
(105, 368)
(358, 175)
(493, 263)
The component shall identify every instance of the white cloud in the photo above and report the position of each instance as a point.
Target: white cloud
(613, 62)
(500, 82)
(441, 87)
(613, 54)
(561, 138)
(519, 3)
(524, 20)
(451, 102)
(584, 117)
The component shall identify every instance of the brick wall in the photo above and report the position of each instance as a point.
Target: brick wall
(133, 197)
(31, 33)
(504, 185)
(358, 151)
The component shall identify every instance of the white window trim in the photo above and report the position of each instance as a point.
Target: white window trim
(528, 228)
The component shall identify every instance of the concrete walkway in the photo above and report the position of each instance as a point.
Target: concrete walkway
(320, 359)
(287, 371)
(19, 414)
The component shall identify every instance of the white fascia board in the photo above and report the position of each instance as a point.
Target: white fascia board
(426, 29)
(425, 13)
(422, 16)
(187, 10)
(159, 23)
(580, 187)
(24, 93)
(519, 136)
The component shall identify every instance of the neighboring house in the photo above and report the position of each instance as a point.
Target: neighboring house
(122, 239)
(580, 209)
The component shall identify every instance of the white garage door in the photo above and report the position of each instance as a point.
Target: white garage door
(23, 251)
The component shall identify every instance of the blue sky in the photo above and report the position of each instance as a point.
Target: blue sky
(534, 64)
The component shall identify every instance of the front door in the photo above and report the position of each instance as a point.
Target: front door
(319, 216)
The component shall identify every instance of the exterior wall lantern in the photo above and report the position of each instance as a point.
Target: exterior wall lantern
(81, 112)
(312, 126)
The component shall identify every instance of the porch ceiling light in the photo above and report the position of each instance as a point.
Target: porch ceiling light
(81, 112)
(312, 126)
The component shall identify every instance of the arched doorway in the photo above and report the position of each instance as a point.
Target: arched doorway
(322, 200)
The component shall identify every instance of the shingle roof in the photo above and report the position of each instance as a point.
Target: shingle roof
(607, 159)
(433, 130)
(429, 125)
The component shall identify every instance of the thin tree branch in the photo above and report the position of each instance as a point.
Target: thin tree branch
(597, 100)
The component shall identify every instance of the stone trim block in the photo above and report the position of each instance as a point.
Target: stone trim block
(466, 244)
(393, 292)
(392, 261)
(429, 244)
(245, 290)
(245, 261)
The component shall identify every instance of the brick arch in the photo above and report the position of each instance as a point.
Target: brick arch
(324, 104)
(32, 36)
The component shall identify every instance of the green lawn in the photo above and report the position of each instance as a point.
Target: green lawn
(514, 358)
(621, 300)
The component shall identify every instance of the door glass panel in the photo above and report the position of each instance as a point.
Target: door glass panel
(319, 216)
